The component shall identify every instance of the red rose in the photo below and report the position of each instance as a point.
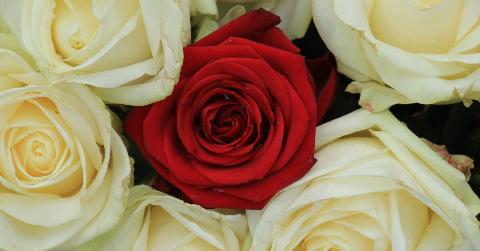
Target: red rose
(240, 124)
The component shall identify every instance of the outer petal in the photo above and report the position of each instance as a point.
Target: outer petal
(170, 37)
(248, 26)
(295, 15)
(340, 39)
(18, 66)
(325, 78)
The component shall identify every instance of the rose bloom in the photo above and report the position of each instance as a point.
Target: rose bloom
(240, 124)
(64, 172)
(404, 51)
(129, 51)
(375, 186)
(156, 221)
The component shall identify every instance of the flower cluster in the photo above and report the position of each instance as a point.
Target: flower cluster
(200, 125)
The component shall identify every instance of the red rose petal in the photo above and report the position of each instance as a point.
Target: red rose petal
(325, 77)
(133, 125)
(197, 57)
(277, 39)
(250, 26)
(214, 199)
(154, 125)
(263, 190)
(178, 162)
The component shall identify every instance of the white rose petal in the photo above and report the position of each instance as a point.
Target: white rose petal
(375, 186)
(204, 7)
(425, 51)
(3, 27)
(16, 65)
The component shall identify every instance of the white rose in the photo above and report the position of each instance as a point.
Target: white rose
(375, 186)
(416, 51)
(156, 221)
(64, 172)
(129, 51)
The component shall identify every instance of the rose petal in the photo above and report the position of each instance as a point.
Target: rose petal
(249, 26)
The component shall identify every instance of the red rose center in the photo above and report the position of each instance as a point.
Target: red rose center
(225, 120)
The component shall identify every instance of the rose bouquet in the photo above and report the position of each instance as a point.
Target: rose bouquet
(224, 125)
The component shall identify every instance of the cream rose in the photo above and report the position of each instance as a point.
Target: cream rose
(129, 51)
(375, 186)
(415, 51)
(64, 172)
(156, 221)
